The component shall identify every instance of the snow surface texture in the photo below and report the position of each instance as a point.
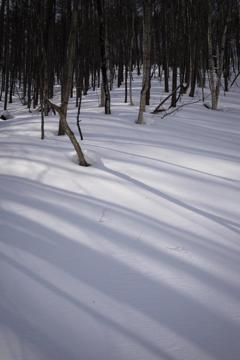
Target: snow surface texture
(134, 258)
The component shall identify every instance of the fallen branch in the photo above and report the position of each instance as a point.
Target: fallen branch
(158, 108)
(178, 108)
(207, 106)
(235, 79)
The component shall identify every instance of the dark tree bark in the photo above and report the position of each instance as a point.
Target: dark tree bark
(147, 19)
(104, 54)
(66, 87)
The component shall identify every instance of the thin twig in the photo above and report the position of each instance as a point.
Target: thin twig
(235, 79)
(178, 108)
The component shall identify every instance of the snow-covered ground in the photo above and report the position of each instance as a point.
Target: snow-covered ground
(134, 258)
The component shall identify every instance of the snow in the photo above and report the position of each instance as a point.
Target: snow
(133, 258)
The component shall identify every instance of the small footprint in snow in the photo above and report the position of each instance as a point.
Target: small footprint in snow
(103, 218)
(179, 249)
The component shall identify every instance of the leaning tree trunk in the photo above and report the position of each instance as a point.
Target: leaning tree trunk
(66, 87)
(147, 17)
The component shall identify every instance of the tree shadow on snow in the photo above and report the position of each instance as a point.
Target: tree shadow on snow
(61, 263)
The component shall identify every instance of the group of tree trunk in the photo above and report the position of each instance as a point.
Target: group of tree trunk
(89, 44)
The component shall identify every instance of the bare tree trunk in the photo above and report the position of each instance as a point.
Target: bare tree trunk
(42, 111)
(216, 70)
(212, 72)
(126, 83)
(147, 17)
(104, 54)
(102, 97)
(130, 88)
(130, 61)
(66, 87)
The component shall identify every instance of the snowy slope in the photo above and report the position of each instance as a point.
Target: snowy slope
(134, 258)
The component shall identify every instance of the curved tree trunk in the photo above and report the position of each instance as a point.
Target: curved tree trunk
(66, 88)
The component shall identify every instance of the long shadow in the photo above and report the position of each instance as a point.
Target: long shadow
(231, 225)
(121, 238)
(124, 243)
(160, 302)
(185, 168)
(168, 306)
(153, 222)
(150, 346)
(138, 139)
(91, 267)
(38, 199)
(47, 347)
